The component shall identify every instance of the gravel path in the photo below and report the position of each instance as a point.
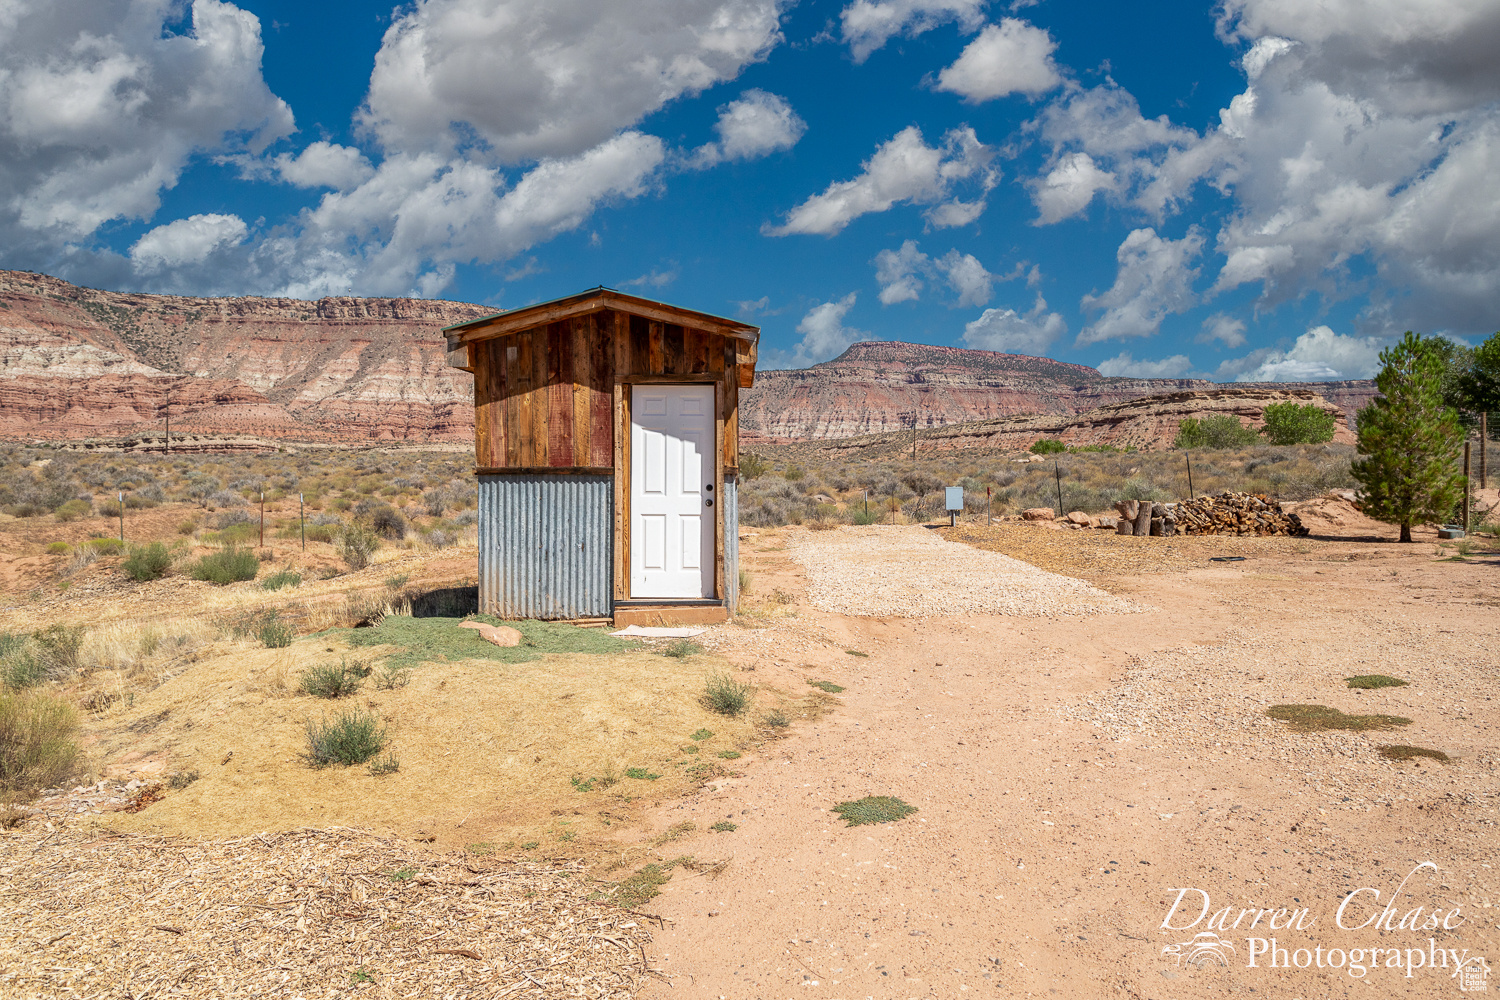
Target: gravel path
(910, 572)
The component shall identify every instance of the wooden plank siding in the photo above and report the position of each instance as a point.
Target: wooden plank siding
(547, 397)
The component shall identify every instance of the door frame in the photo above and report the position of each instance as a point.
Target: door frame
(623, 428)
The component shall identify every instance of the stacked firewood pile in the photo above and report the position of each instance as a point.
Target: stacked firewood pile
(1225, 514)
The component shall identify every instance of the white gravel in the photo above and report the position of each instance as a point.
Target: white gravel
(911, 572)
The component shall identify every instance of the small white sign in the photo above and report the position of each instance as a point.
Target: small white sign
(955, 497)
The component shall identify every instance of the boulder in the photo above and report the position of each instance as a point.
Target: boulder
(500, 635)
(1081, 519)
(1038, 514)
(823, 498)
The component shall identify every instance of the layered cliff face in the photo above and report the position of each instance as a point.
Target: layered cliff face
(1148, 424)
(878, 386)
(76, 363)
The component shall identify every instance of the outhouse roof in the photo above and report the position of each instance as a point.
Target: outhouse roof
(593, 300)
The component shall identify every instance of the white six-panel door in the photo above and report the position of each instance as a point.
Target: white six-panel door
(672, 501)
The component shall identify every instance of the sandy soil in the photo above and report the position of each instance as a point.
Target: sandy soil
(1074, 774)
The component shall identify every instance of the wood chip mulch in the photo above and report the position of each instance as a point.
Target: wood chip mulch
(304, 914)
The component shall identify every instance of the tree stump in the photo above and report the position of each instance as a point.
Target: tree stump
(1143, 518)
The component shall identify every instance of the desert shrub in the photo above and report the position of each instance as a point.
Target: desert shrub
(58, 548)
(149, 496)
(1294, 423)
(467, 518)
(349, 738)
(725, 695)
(275, 633)
(322, 533)
(226, 498)
(106, 546)
(20, 665)
(357, 544)
(59, 645)
(753, 466)
(387, 522)
(1221, 430)
(110, 507)
(333, 680)
(282, 578)
(440, 539)
(793, 472)
(36, 742)
(230, 518)
(187, 527)
(73, 509)
(1048, 446)
(147, 562)
(681, 649)
(859, 515)
(230, 565)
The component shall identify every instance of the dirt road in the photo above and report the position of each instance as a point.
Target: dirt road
(1075, 774)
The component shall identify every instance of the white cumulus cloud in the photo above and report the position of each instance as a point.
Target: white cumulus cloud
(1068, 188)
(1224, 328)
(1319, 355)
(187, 241)
(102, 107)
(869, 24)
(824, 336)
(901, 274)
(1123, 365)
(1015, 333)
(324, 164)
(552, 78)
(1152, 282)
(756, 125)
(1007, 58)
(903, 170)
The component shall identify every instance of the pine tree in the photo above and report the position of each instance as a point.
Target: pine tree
(1410, 440)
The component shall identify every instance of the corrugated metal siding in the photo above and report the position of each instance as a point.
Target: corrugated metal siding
(731, 503)
(546, 546)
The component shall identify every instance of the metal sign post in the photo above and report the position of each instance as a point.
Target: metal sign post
(987, 506)
(262, 520)
(121, 498)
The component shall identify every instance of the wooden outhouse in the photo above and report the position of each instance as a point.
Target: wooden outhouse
(606, 444)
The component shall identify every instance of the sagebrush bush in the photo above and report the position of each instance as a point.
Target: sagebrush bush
(357, 545)
(37, 749)
(147, 562)
(275, 633)
(334, 680)
(349, 738)
(282, 578)
(230, 565)
(59, 646)
(1221, 430)
(725, 695)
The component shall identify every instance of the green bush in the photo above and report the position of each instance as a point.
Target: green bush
(275, 633)
(282, 578)
(753, 465)
(1221, 430)
(725, 695)
(147, 562)
(37, 750)
(230, 565)
(20, 666)
(357, 544)
(58, 548)
(73, 510)
(1048, 446)
(334, 680)
(109, 508)
(350, 738)
(681, 649)
(106, 546)
(59, 646)
(1294, 423)
(793, 472)
(861, 516)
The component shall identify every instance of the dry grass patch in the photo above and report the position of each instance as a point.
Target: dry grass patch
(488, 744)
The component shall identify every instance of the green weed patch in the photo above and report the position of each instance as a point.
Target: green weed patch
(440, 640)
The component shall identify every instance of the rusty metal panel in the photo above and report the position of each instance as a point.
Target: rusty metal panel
(731, 504)
(546, 546)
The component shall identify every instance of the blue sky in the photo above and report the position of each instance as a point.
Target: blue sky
(1258, 189)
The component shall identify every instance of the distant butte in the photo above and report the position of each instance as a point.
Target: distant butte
(81, 365)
